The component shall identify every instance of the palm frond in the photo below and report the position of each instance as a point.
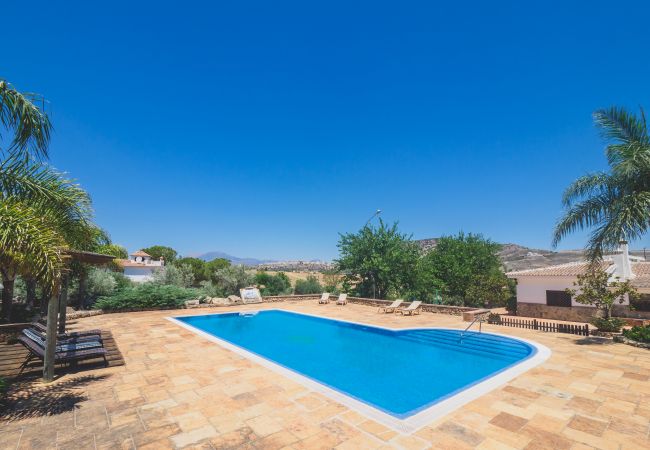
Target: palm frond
(584, 214)
(617, 124)
(29, 123)
(586, 185)
(29, 244)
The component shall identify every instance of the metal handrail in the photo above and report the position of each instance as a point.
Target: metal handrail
(480, 320)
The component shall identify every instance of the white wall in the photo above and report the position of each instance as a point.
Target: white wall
(533, 289)
(139, 274)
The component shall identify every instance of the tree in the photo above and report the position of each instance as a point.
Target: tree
(465, 267)
(309, 286)
(231, 279)
(273, 284)
(28, 123)
(212, 267)
(42, 212)
(180, 275)
(615, 204)
(198, 267)
(595, 288)
(157, 251)
(377, 261)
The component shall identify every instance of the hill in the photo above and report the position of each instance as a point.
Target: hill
(518, 257)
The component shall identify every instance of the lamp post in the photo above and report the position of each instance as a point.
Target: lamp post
(376, 214)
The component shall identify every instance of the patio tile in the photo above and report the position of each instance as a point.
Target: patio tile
(179, 390)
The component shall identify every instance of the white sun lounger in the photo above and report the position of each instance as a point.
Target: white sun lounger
(342, 300)
(325, 298)
(392, 307)
(413, 308)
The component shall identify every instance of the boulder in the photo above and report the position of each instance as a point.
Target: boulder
(219, 301)
(192, 303)
(234, 299)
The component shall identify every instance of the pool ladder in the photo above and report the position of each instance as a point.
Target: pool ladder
(480, 319)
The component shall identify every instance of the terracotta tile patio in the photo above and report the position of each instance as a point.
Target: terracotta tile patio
(178, 390)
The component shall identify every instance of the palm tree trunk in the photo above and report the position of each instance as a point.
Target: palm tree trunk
(7, 296)
(83, 284)
(30, 285)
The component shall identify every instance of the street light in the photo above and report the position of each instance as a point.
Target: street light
(376, 214)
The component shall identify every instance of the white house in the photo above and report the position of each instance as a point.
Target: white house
(541, 292)
(140, 266)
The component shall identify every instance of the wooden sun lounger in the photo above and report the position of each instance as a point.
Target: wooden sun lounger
(390, 308)
(75, 334)
(325, 298)
(37, 352)
(63, 345)
(63, 338)
(413, 308)
(342, 300)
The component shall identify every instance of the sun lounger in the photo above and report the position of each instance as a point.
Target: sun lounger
(342, 300)
(64, 345)
(38, 352)
(413, 308)
(390, 308)
(75, 334)
(325, 298)
(60, 338)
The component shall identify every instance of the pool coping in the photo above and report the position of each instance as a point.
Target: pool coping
(406, 425)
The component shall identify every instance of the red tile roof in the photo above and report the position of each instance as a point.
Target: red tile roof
(140, 253)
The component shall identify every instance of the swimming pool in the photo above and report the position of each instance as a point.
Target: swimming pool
(402, 378)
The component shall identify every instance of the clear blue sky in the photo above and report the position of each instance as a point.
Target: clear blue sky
(265, 128)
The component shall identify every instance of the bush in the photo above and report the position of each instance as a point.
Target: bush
(511, 305)
(638, 334)
(231, 279)
(180, 275)
(611, 325)
(100, 283)
(147, 295)
(273, 284)
(209, 289)
(308, 286)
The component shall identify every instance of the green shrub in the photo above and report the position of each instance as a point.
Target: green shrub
(147, 295)
(231, 279)
(511, 305)
(612, 325)
(180, 275)
(308, 286)
(273, 284)
(639, 334)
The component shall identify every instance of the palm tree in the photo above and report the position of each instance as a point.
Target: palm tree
(615, 204)
(41, 212)
(30, 125)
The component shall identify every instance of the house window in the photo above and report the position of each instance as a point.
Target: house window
(642, 303)
(558, 298)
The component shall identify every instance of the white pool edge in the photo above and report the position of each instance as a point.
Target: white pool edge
(404, 426)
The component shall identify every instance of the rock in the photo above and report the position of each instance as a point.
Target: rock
(234, 299)
(192, 303)
(219, 301)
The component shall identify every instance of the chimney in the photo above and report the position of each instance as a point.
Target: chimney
(622, 261)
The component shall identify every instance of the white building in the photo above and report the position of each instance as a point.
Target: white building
(541, 292)
(140, 266)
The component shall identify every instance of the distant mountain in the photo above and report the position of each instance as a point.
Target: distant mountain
(518, 257)
(209, 256)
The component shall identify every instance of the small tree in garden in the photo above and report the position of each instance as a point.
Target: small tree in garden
(595, 289)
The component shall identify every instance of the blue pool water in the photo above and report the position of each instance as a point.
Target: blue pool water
(398, 372)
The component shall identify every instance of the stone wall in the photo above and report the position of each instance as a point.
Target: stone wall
(574, 313)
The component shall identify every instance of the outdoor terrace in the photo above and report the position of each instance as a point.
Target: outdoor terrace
(178, 390)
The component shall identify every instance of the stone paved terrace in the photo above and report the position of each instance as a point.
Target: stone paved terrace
(178, 390)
